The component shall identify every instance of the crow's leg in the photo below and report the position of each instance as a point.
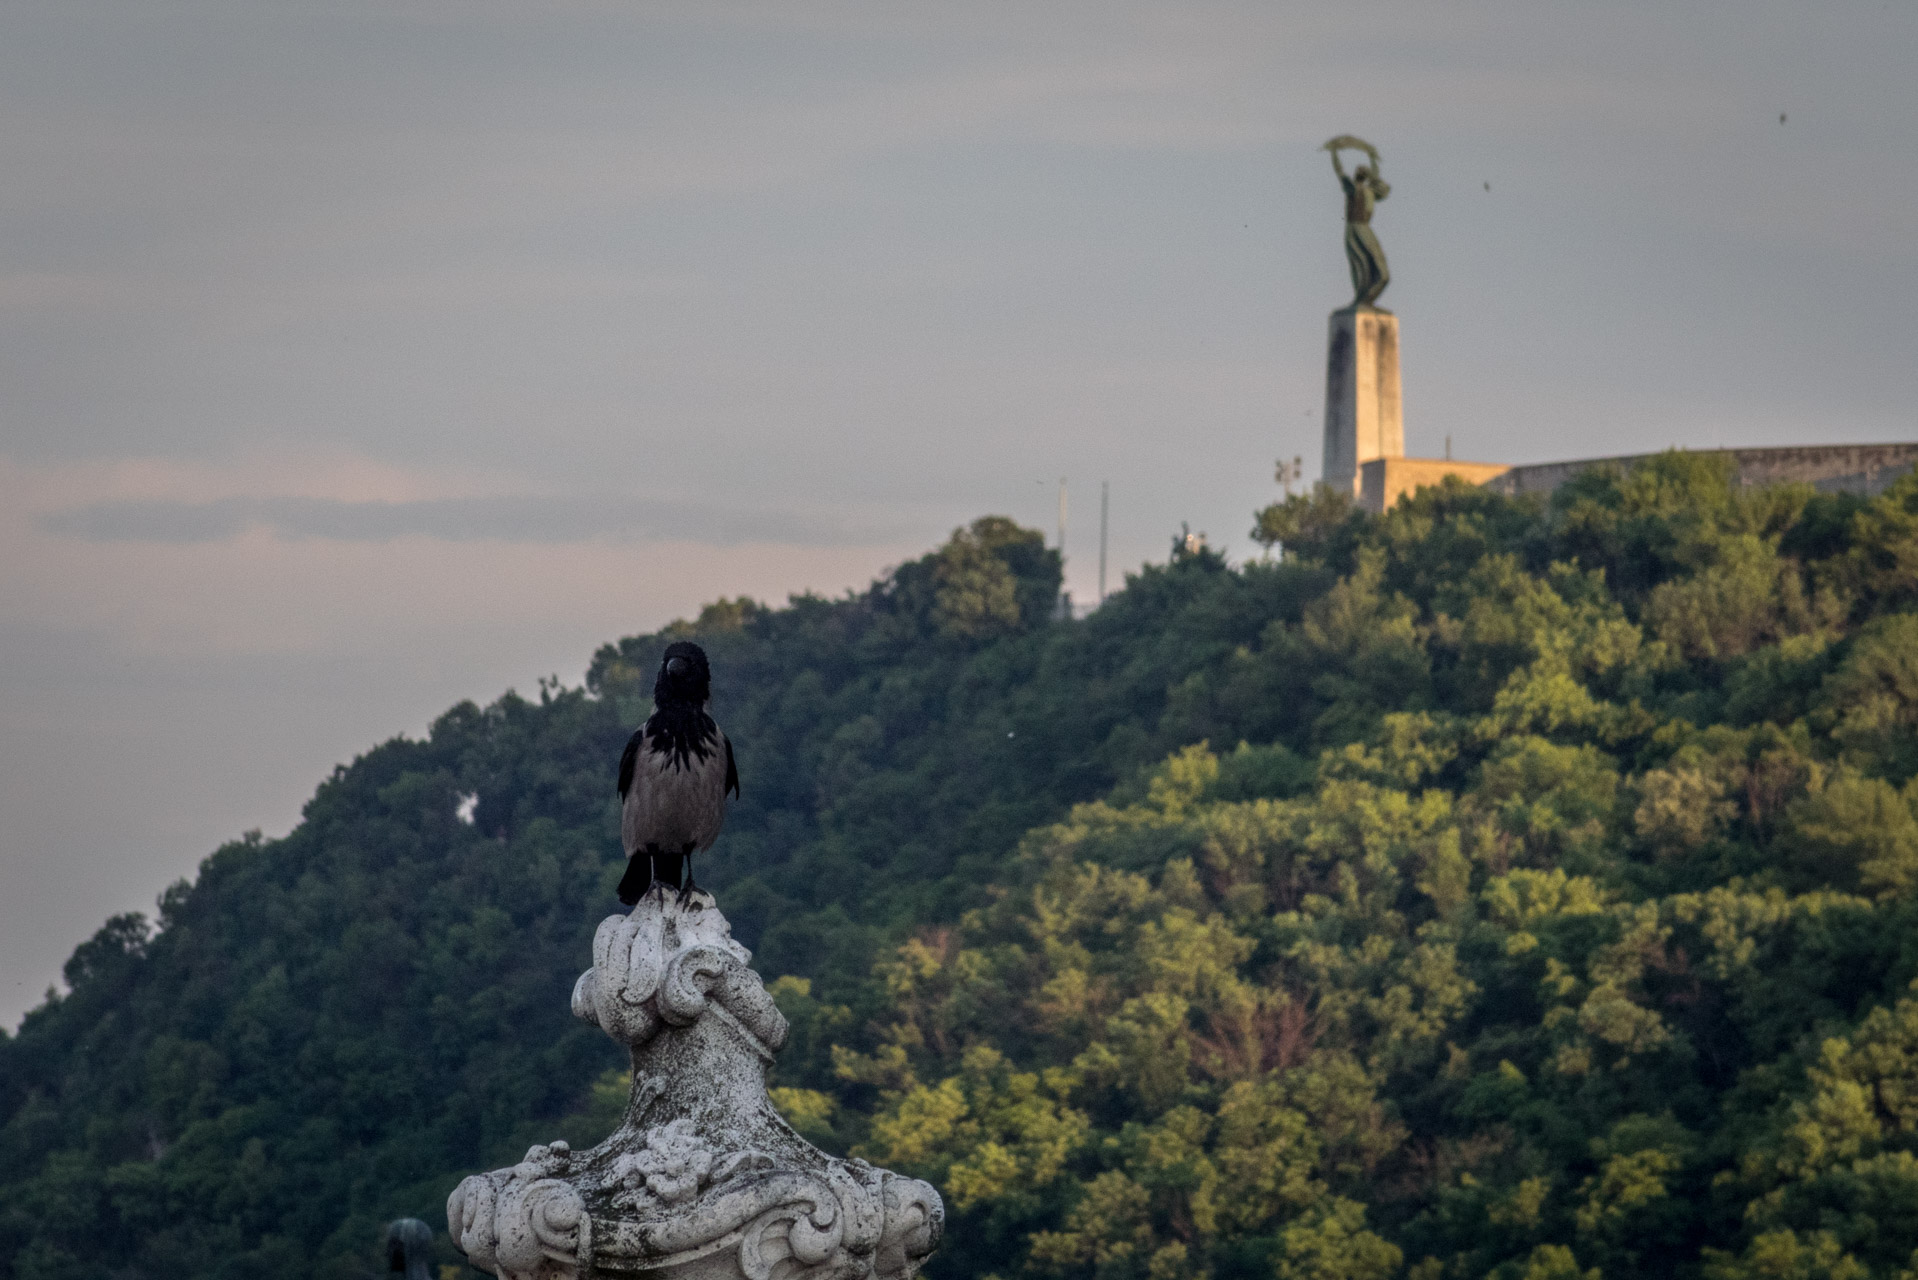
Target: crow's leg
(654, 885)
(686, 894)
(638, 878)
(666, 869)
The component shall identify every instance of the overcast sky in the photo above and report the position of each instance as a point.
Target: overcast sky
(360, 357)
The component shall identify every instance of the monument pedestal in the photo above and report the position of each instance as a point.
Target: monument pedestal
(1363, 419)
(703, 1180)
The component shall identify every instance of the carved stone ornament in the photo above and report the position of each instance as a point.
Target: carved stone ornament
(703, 1180)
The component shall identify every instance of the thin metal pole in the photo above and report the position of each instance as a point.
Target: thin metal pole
(1105, 500)
(1065, 607)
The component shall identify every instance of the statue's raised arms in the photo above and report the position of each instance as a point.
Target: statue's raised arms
(1363, 190)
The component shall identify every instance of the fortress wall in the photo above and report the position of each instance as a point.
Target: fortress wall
(1383, 481)
(1851, 468)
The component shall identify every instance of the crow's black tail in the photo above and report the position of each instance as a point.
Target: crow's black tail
(638, 877)
(666, 867)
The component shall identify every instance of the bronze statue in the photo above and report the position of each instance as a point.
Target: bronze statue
(1363, 190)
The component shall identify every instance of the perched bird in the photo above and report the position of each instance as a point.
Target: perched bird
(673, 778)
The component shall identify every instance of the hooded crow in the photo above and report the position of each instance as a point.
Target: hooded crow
(673, 778)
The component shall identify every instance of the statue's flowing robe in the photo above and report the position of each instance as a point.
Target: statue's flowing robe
(1362, 252)
(1369, 272)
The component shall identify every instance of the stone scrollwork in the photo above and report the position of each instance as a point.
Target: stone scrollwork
(703, 1180)
(665, 966)
(522, 1223)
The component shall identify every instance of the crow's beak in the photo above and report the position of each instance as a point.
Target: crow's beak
(676, 667)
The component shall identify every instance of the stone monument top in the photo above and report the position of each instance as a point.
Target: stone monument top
(1365, 417)
(1364, 422)
(703, 1179)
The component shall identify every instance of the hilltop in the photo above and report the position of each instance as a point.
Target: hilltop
(1489, 887)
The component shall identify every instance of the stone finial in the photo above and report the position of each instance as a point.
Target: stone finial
(409, 1248)
(703, 1179)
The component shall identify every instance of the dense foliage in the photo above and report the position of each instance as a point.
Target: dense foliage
(1488, 889)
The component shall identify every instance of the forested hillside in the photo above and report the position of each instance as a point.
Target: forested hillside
(1488, 889)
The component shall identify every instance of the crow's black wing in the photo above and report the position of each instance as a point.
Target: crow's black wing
(732, 770)
(629, 760)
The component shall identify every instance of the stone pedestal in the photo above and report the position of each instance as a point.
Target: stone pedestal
(703, 1180)
(1363, 420)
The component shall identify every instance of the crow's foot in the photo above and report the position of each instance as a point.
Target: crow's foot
(686, 894)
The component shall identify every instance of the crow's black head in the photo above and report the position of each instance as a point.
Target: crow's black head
(684, 676)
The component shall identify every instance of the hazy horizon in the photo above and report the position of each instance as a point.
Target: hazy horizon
(365, 359)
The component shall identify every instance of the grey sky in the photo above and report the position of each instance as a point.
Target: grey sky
(359, 357)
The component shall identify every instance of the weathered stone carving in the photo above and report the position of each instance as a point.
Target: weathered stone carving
(703, 1180)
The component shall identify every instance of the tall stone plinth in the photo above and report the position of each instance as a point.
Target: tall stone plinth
(703, 1180)
(1363, 420)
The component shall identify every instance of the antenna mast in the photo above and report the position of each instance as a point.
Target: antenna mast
(1105, 500)
(1065, 597)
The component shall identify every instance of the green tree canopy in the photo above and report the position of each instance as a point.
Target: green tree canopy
(1494, 888)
